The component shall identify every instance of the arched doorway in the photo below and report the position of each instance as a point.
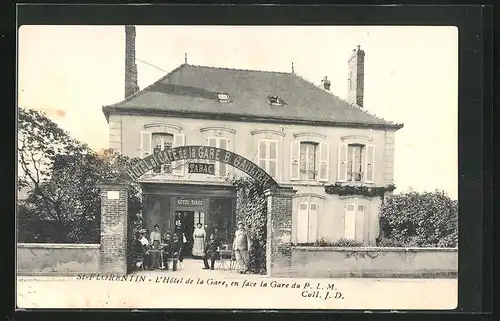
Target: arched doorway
(114, 202)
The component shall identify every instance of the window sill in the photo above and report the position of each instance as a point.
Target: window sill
(355, 183)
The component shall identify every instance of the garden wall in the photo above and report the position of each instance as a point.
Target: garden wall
(57, 259)
(334, 262)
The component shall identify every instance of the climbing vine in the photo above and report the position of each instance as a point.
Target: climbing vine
(251, 209)
(367, 191)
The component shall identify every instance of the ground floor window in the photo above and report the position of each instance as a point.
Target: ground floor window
(307, 222)
(352, 212)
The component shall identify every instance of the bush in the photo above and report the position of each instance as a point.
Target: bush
(338, 243)
(415, 219)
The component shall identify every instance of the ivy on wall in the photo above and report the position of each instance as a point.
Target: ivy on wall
(367, 191)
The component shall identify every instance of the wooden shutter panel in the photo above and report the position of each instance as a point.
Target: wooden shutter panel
(273, 159)
(145, 144)
(179, 140)
(342, 166)
(360, 220)
(350, 222)
(221, 167)
(302, 223)
(370, 164)
(294, 160)
(262, 154)
(324, 159)
(313, 223)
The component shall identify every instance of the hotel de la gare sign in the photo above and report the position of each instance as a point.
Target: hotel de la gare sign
(202, 153)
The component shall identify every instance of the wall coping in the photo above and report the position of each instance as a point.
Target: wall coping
(57, 246)
(374, 249)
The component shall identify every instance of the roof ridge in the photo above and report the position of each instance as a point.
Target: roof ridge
(361, 108)
(241, 69)
(151, 85)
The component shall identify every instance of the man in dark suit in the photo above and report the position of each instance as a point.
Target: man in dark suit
(211, 247)
(175, 251)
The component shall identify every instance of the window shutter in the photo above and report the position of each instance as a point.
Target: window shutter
(370, 164)
(294, 160)
(178, 167)
(324, 157)
(145, 144)
(350, 222)
(360, 218)
(342, 168)
(273, 159)
(221, 167)
(313, 223)
(302, 223)
(262, 154)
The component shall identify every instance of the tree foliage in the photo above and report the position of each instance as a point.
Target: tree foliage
(64, 175)
(419, 219)
(251, 209)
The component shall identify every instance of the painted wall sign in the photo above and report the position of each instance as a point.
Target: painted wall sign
(182, 201)
(201, 168)
(196, 152)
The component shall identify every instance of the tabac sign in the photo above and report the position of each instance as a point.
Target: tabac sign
(202, 153)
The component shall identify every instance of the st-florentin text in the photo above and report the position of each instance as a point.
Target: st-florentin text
(199, 153)
(307, 290)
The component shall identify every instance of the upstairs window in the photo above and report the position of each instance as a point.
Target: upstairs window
(275, 101)
(308, 160)
(222, 97)
(162, 141)
(356, 163)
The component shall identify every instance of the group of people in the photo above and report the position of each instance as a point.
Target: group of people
(159, 250)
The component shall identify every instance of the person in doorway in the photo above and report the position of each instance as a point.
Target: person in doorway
(145, 247)
(175, 251)
(154, 242)
(241, 247)
(199, 238)
(211, 253)
(166, 245)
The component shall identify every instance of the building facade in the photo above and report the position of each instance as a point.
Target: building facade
(301, 134)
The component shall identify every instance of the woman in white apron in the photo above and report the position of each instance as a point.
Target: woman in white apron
(199, 236)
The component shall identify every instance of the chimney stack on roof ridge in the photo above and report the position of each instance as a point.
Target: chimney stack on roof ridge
(356, 77)
(131, 86)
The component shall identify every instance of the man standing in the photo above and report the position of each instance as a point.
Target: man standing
(211, 248)
(241, 246)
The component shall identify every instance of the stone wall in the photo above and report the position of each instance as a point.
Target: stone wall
(57, 259)
(332, 262)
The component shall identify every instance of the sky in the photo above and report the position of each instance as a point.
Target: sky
(411, 77)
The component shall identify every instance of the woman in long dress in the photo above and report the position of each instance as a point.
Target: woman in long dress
(199, 236)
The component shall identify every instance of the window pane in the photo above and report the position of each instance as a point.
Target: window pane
(262, 149)
(223, 143)
(272, 169)
(212, 142)
(222, 169)
(273, 149)
(262, 164)
(350, 207)
(303, 206)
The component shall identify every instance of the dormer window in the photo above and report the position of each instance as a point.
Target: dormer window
(275, 101)
(221, 97)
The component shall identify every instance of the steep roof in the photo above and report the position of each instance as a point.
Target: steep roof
(193, 90)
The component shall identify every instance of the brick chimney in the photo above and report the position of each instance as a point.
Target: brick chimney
(131, 86)
(356, 77)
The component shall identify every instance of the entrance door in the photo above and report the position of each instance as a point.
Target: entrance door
(184, 224)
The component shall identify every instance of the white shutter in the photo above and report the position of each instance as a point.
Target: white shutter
(342, 166)
(370, 164)
(272, 158)
(294, 160)
(350, 221)
(221, 167)
(262, 153)
(302, 223)
(145, 144)
(178, 166)
(324, 159)
(360, 219)
(313, 223)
